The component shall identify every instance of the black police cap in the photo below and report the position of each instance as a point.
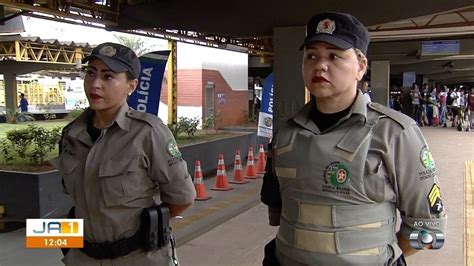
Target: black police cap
(339, 29)
(117, 57)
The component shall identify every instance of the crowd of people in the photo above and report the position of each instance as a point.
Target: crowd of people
(429, 106)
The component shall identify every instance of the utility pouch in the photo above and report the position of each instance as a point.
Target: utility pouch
(155, 227)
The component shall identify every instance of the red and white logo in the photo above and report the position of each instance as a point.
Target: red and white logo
(326, 26)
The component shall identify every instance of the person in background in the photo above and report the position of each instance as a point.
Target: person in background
(23, 103)
(431, 105)
(338, 170)
(455, 97)
(470, 103)
(122, 169)
(415, 96)
(425, 93)
(443, 96)
(364, 87)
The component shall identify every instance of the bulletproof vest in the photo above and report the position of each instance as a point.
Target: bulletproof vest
(332, 210)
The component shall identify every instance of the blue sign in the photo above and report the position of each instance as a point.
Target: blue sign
(146, 97)
(265, 118)
(440, 47)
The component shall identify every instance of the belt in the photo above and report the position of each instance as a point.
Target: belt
(113, 250)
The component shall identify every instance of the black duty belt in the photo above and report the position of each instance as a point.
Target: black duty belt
(112, 250)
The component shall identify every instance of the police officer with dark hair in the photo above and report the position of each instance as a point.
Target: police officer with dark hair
(341, 167)
(122, 168)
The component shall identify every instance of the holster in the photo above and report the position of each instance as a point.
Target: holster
(153, 234)
(155, 227)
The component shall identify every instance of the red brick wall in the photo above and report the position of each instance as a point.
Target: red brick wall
(234, 110)
(191, 84)
(189, 88)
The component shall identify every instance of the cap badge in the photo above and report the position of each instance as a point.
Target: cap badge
(326, 26)
(107, 51)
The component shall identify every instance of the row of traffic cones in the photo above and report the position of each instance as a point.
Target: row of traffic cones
(222, 184)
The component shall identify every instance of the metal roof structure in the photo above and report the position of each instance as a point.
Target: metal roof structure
(397, 27)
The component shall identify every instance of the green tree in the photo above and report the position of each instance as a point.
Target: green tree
(135, 43)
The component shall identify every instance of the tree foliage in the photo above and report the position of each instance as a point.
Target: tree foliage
(135, 43)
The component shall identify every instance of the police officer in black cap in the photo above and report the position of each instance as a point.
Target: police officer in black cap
(341, 167)
(117, 162)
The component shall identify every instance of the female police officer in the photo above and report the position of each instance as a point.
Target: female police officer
(341, 166)
(115, 162)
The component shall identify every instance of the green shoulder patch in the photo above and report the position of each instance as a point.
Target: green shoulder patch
(172, 148)
(426, 158)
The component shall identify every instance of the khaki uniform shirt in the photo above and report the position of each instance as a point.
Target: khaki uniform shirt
(133, 164)
(396, 151)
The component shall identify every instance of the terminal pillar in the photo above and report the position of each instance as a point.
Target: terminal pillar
(172, 76)
(288, 85)
(380, 81)
(11, 92)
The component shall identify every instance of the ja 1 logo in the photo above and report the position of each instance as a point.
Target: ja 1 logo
(430, 239)
(54, 233)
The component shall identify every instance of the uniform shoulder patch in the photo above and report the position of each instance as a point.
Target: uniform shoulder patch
(145, 117)
(398, 117)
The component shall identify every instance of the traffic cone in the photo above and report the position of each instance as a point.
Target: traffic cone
(250, 169)
(261, 161)
(221, 179)
(201, 193)
(238, 172)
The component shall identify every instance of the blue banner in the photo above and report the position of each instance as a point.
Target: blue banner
(146, 97)
(265, 118)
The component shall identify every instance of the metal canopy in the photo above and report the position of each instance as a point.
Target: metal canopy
(249, 18)
(397, 27)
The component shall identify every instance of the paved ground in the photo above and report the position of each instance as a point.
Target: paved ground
(469, 213)
(240, 240)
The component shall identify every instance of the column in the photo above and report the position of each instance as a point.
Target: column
(380, 81)
(11, 93)
(288, 85)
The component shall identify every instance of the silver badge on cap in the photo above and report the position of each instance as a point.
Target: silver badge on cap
(326, 26)
(107, 51)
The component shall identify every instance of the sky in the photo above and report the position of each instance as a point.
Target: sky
(48, 29)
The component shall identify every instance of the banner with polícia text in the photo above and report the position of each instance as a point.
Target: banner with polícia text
(146, 97)
(265, 117)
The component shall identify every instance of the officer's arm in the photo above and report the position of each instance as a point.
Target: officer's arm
(176, 209)
(168, 169)
(270, 193)
(417, 187)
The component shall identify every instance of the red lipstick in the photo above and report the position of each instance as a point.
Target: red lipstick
(95, 96)
(319, 80)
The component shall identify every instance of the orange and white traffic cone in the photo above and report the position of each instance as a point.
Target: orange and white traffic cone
(201, 193)
(238, 172)
(221, 179)
(261, 161)
(250, 169)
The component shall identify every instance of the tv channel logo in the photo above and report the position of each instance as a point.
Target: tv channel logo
(54, 233)
(420, 239)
